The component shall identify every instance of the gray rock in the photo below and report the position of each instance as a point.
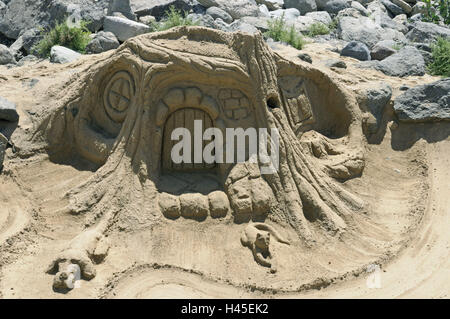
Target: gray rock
(377, 98)
(419, 7)
(382, 50)
(264, 11)
(402, 4)
(148, 20)
(158, 8)
(416, 18)
(122, 6)
(236, 8)
(335, 63)
(241, 26)
(423, 47)
(426, 32)
(6, 56)
(407, 61)
(8, 111)
(386, 22)
(401, 18)
(334, 6)
(404, 87)
(3, 146)
(216, 12)
(304, 23)
(392, 8)
(367, 31)
(22, 15)
(206, 20)
(25, 43)
(59, 54)
(290, 15)
(28, 59)
(272, 4)
(260, 23)
(305, 57)
(124, 29)
(365, 3)
(102, 42)
(304, 6)
(356, 50)
(358, 6)
(320, 16)
(429, 102)
(376, 6)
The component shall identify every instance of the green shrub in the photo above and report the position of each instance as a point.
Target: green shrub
(440, 64)
(75, 38)
(279, 31)
(398, 46)
(437, 11)
(334, 24)
(318, 28)
(173, 18)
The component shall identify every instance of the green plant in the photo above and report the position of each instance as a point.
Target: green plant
(334, 24)
(75, 38)
(173, 18)
(440, 62)
(279, 31)
(437, 11)
(398, 46)
(318, 28)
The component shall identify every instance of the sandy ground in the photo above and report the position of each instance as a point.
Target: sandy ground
(406, 182)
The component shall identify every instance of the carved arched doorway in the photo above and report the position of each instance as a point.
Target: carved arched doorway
(185, 118)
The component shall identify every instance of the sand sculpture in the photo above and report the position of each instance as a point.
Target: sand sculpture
(119, 113)
(256, 236)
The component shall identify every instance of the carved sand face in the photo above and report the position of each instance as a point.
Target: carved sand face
(263, 241)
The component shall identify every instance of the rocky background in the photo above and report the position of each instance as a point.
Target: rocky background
(386, 35)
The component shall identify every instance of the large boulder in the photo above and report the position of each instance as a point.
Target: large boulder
(426, 32)
(260, 23)
(101, 42)
(402, 4)
(429, 102)
(382, 50)
(367, 31)
(236, 8)
(320, 16)
(334, 6)
(289, 15)
(6, 56)
(123, 28)
(304, 6)
(8, 111)
(376, 99)
(356, 50)
(25, 43)
(22, 15)
(407, 61)
(217, 12)
(392, 8)
(59, 54)
(272, 4)
(158, 8)
(122, 6)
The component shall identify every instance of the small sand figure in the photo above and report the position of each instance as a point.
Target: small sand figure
(68, 279)
(256, 236)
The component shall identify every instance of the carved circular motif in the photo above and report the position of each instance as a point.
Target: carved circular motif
(118, 96)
